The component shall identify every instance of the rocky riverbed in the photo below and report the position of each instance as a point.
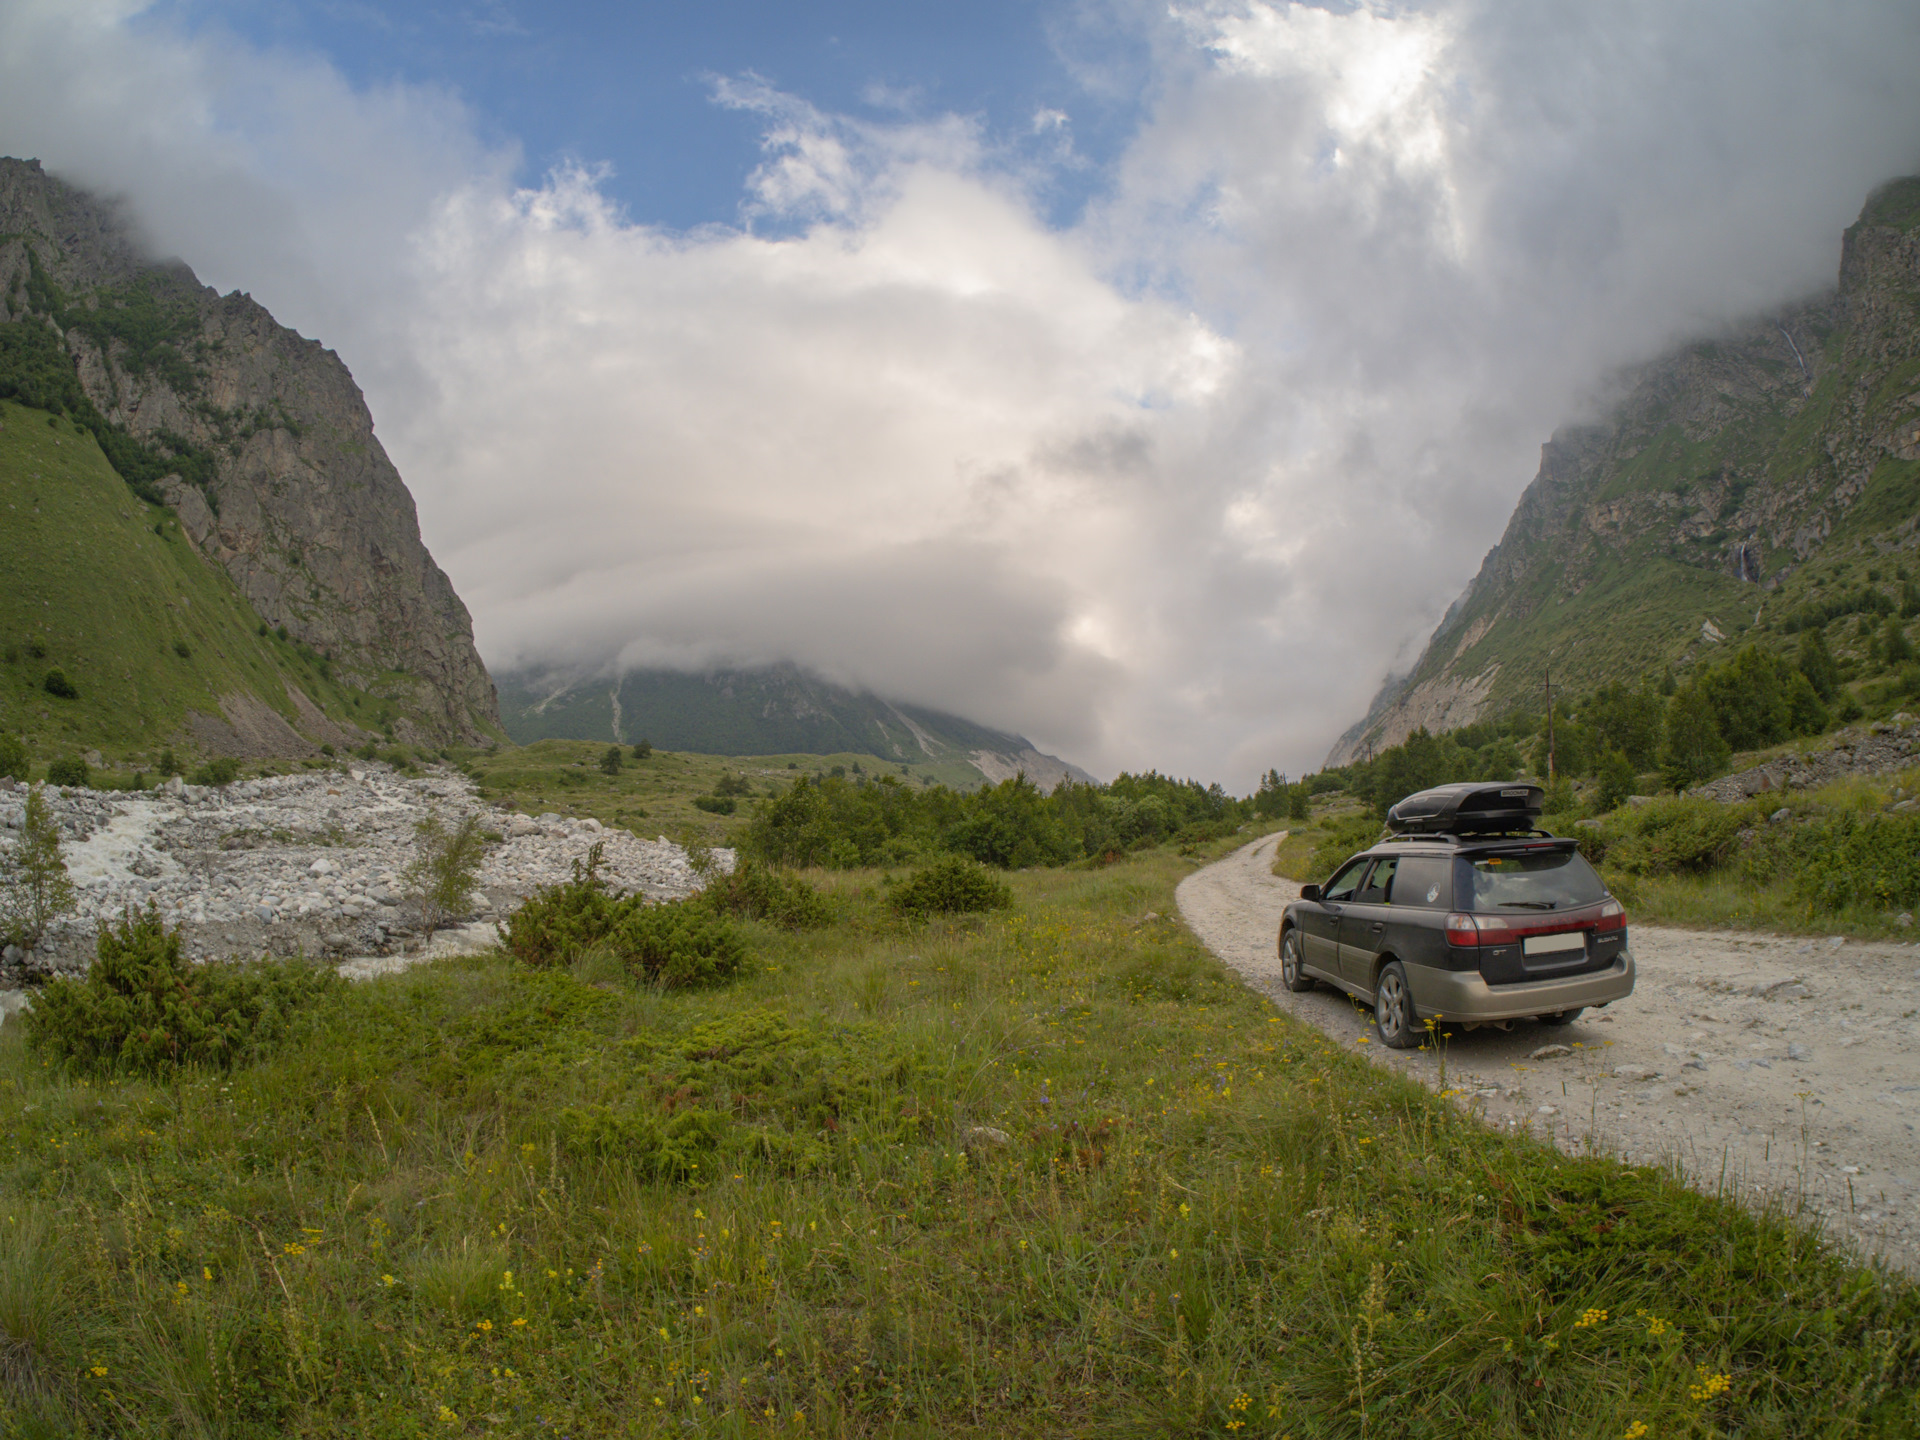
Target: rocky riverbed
(309, 863)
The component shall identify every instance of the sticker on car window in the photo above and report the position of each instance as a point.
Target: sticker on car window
(1433, 893)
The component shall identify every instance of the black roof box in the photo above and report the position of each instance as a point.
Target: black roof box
(1467, 809)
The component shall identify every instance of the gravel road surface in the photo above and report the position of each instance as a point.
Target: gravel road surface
(1781, 1069)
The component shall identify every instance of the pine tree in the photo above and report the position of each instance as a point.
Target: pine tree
(1816, 663)
(34, 888)
(1695, 748)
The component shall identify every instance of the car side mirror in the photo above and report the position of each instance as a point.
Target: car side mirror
(1309, 892)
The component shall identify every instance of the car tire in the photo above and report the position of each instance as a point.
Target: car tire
(1291, 975)
(1393, 1013)
(1562, 1017)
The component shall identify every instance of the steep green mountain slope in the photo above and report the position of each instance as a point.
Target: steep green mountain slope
(1740, 484)
(773, 710)
(256, 436)
(93, 591)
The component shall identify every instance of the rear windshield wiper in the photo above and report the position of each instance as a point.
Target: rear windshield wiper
(1531, 904)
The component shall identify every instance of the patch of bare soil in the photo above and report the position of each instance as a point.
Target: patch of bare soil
(1782, 1070)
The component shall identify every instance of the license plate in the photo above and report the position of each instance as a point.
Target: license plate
(1552, 944)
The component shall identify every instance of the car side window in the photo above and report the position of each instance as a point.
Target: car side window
(1375, 891)
(1342, 886)
(1423, 881)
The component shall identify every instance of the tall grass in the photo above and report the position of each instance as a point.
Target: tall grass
(1046, 1173)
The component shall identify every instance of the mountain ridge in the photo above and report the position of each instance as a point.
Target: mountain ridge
(763, 710)
(1738, 478)
(256, 436)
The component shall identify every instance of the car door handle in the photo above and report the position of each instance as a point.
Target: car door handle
(1378, 926)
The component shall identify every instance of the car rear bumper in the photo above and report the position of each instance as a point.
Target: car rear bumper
(1464, 996)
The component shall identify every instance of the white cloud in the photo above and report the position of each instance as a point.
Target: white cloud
(1174, 487)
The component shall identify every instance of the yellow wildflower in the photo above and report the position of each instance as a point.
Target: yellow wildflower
(1709, 1387)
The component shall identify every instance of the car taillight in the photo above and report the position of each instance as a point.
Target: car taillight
(1476, 929)
(1613, 916)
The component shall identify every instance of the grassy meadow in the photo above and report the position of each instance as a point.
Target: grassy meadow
(651, 797)
(1048, 1173)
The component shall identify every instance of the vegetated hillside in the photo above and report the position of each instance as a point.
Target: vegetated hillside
(153, 639)
(258, 438)
(1744, 486)
(771, 710)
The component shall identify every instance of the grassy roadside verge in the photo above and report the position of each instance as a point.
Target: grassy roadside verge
(475, 1199)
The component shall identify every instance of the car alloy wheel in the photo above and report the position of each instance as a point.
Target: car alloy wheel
(1393, 1009)
(1291, 975)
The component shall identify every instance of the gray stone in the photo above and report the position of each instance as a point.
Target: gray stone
(1694, 1065)
(985, 1137)
(1550, 1052)
(1797, 1051)
(1634, 1072)
(1783, 813)
(1904, 919)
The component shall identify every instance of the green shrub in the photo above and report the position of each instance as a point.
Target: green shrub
(1347, 836)
(143, 1007)
(1673, 834)
(444, 873)
(679, 945)
(1844, 860)
(611, 761)
(69, 770)
(13, 758)
(222, 770)
(168, 764)
(953, 885)
(760, 892)
(36, 651)
(714, 804)
(182, 649)
(642, 750)
(57, 684)
(731, 784)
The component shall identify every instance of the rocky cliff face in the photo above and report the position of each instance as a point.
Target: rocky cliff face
(1737, 479)
(279, 476)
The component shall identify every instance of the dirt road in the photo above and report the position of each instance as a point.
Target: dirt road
(1776, 1067)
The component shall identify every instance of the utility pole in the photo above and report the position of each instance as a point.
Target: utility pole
(1549, 723)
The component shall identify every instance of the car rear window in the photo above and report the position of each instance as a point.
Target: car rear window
(1544, 880)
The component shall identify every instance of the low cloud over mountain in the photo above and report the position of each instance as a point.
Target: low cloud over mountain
(1174, 485)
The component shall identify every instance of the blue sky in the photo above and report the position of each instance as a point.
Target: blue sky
(632, 86)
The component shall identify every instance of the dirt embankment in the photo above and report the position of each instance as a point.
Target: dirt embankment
(1785, 1070)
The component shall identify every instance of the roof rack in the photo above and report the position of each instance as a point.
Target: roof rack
(1475, 837)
